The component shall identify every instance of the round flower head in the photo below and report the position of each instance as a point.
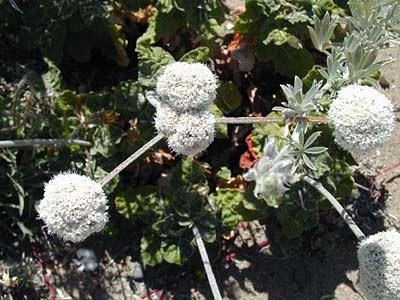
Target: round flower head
(362, 117)
(165, 120)
(73, 207)
(379, 260)
(186, 87)
(193, 133)
(271, 173)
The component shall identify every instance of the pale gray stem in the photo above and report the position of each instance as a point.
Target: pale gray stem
(42, 142)
(339, 208)
(206, 263)
(130, 159)
(251, 120)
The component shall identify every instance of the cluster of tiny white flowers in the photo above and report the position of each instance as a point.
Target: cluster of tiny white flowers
(73, 207)
(187, 86)
(271, 172)
(379, 260)
(186, 92)
(193, 133)
(166, 120)
(363, 119)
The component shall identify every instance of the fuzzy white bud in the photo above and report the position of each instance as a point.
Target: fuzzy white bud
(73, 207)
(362, 117)
(187, 86)
(379, 260)
(194, 132)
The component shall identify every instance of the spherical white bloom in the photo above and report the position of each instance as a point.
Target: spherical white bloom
(165, 120)
(194, 133)
(362, 117)
(186, 87)
(379, 259)
(73, 207)
(271, 173)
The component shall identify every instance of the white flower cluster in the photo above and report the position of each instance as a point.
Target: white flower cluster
(186, 92)
(379, 260)
(73, 207)
(362, 117)
(186, 87)
(271, 172)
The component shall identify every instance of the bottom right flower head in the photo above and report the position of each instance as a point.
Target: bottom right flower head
(379, 260)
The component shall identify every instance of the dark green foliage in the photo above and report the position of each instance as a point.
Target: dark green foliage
(280, 31)
(81, 69)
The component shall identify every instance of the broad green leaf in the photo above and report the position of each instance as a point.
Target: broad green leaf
(188, 173)
(143, 203)
(200, 54)
(172, 254)
(151, 65)
(283, 57)
(228, 97)
(67, 100)
(150, 250)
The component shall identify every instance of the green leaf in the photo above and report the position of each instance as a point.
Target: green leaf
(151, 65)
(279, 37)
(291, 227)
(67, 100)
(188, 204)
(20, 192)
(143, 203)
(261, 131)
(227, 200)
(253, 18)
(188, 173)
(52, 79)
(283, 57)
(316, 150)
(221, 129)
(177, 251)
(208, 234)
(150, 250)
(172, 254)
(224, 173)
(322, 32)
(228, 97)
(200, 54)
(308, 162)
(106, 139)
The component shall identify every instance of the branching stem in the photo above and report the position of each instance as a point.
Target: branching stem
(339, 208)
(206, 263)
(42, 142)
(130, 159)
(251, 120)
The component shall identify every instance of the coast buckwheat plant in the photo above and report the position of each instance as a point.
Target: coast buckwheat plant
(73, 207)
(362, 117)
(359, 119)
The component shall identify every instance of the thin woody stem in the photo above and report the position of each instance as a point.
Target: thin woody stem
(250, 120)
(206, 263)
(42, 142)
(339, 208)
(130, 159)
